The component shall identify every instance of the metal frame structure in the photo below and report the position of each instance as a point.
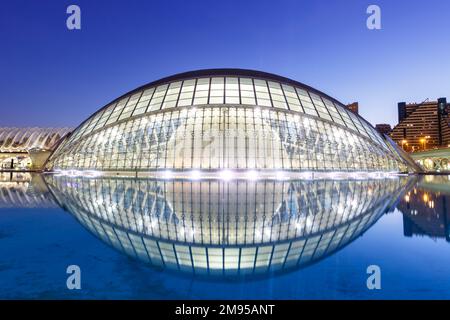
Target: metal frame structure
(20, 140)
(226, 119)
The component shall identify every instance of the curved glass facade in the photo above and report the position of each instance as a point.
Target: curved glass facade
(226, 228)
(232, 119)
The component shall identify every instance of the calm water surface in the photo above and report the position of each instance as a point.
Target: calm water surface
(161, 239)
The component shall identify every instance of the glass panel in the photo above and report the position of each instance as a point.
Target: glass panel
(201, 91)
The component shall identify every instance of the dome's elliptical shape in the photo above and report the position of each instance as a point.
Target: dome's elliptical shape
(227, 122)
(226, 228)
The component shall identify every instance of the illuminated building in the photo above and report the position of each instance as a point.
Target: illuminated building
(226, 122)
(25, 148)
(423, 125)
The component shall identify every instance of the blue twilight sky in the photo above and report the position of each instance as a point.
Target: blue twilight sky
(51, 76)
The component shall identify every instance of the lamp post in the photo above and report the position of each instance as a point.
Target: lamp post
(423, 141)
(403, 143)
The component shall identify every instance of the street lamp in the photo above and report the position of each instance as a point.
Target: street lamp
(403, 143)
(423, 142)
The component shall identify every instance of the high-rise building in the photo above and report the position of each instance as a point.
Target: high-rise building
(423, 125)
(383, 128)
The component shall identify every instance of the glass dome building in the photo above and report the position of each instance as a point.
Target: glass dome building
(226, 121)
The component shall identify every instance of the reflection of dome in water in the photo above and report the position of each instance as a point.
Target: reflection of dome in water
(216, 227)
(226, 119)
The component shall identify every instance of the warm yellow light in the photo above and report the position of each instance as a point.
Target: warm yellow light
(425, 198)
(404, 141)
(407, 198)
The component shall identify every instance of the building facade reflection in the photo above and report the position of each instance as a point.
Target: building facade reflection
(426, 209)
(24, 190)
(216, 227)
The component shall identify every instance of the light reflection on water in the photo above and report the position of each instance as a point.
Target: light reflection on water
(426, 208)
(217, 229)
(226, 228)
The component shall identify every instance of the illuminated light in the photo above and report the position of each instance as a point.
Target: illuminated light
(74, 173)
(252, 175)
(167, 174)
(306, 175)
(91, 173)
(306, 123)
(299, 226)
(226, 175)
(407, 198)
(195, 175)
(281, 176)
(308, 222)
(425, 198)
(78, 173)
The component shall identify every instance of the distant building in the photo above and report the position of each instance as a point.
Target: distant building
(383, 128)
(423, 125)
(28, 148)
(353, 107)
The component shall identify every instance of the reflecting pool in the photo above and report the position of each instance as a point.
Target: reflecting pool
(239, 239)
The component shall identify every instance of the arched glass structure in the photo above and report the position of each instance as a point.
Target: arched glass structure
(226, 119)
(217, 227)
(24, 139)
